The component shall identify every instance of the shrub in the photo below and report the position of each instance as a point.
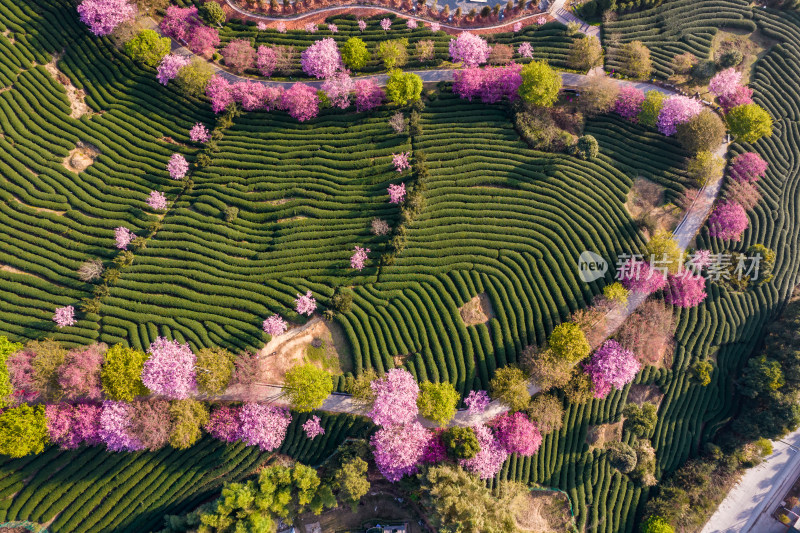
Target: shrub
(437, 401)
(540, 84)
(703, 71)
(729, 59)
(683, 63)
(91, 270)
(703, 132)
(656, 524)
(635, 60)
(148, 47)
(621, 456)
(510, 386)
(749, 122)
(585, 53)
(586, 148)
(702, 371)
(641, 421)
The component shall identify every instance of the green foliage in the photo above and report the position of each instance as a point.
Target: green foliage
(729, 59)
(616, 293)
(23, 430)
(701, 370)
(547, 410)
(148, 47)
(6, 349)
(586, 53)
(540, 84)
(656, 524)
(214, 369)
(359, 388)
(762, 375)
(342, 301)
(193, 78)
(307, 386)
(461, 442)
(664, 248)
(212, 13)
(568, 342)
(121, 371)
(641, 421)
(351, 481)
(749, 122)
(635, 60)
(621, 456)
(586, 148)
(287, 492)
(403, 88)
(49, 357)
(393, 53)
(510, 386)
(437, 401)
(231, 212)
(188, 418)
(705, 168)
(651, 107)
(236, 511)
(355, 53)
(703, 132)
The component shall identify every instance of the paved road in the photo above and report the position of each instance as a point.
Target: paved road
(748, 506)
(557, 10)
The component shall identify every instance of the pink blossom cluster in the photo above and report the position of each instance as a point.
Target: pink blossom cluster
(516, 27)
(103, 16)
(203, 40)
(359, 258)
(386, 24)
(725, 83)
(491, 84)
(677, 109)
(517, 434)
(398, 449)
(700, 259)
(333, 28)
(281, 27)
(362, 25)
(338, 87)
(266, 60)
(400, 161)
(274, 325)
(477, 401)
(611, 366)
(168, 68)
(640, 276)
(115, 427)
(311, 27)
(685, 290)
(525, 50)
(223, 423)
(748, 167)
(369, 95)
(64, 316)
(489, 460)
(313, 428)
(263, 425)
(20, 373)
(177, 166)
(123, 236)
(179, 22)
(170, 369)
(300, 101)
(253, 95)
(199, 133)
(741, 96)
(219, 92)
(397, 193)
(629, 102)
(435, 26)
(72, 425)
(411, 24)
(261, 25)
(728, 221)
(395, 398)
(469, 49)
(321, 59)
(157, 201)
(79, 374)
(305, 304)
(435, 450)
(541, 20)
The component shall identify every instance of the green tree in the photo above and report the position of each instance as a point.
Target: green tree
(705, 168)
(354, 53)
(664, 249)
(540, 84)
(598, 95)
(393, 53)
(307, 386)
(49, 357)
(351, 480)
(188, 418)
(6, 349)
(23, 430)
(702, 371)
(635, 59)
(121, 373)
(621, 456)
(148, 47)
(212, 13)
(235, 511)
(749, 122)
(616, 293)
(586, 148)
(651, 107)
(547, 411)
(510, 386)
(762, 376)
(461, 442)
(360, 389)
(585, 53)
(403, 87)
(641, 421)
(703, 132)
(438, 401)
(214, 370)
(568, 342)
(656, 524)
(193, 78)
(287, 492)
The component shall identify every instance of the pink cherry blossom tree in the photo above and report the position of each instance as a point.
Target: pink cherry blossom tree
(72, 425)
(541, 20)
(261, 25)
(489, 460)
(491, 84)
(123, 236)
(239, 55)
(170, 369)
(301, 102)
(338, 88)
(395, 398)
(525, 50)
(220, 93)
(411, 24)
(516, 27)
(168, 68)
(369, 95)
(103, 16)
(281, 27)
(398, 449)
(629, 102)
(321, 59)
(639, 276)
(469, 49)
(266, 60)
(435, 450)
(517, 434)
(311, 27)
(263, 425)
(199, 133)
(203, 40)
(748, 166)
(435, 26)
(79, 375)
(611, 366)
(675, 110)
(386, 24)
(223, 423)
(305, 304)
(685, 290)
(115, 427)
(333, 28)
(64, 316)
(313, 428)
(179, 22)
(20, 373)
(400, 161)
(274, 325)
(157, 201)
(740, 96)
(477, 401)
(359, 258)
(362, 25)
(726, 82)
(728, 221)
(397, 193)
(177, 166)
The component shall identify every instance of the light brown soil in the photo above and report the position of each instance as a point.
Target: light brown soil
(639, 394)
(40, 209)
(597, 436)
(81, 157)
(76, 96)
(295, 347)
(291, 219)
(170, 140)
(646, 197)
(477, 311)
(278, 202)
(541, 512)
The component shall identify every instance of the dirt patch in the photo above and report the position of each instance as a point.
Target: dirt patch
(81, 157)
(280, 201)
(477, 311)
(40, 209)
(753, 47)
(542, 512)
(291, 219)
(14, 530)
(597, 436)
(76, 96)
(639, 394)
(319, 342)
(646, 199)
(170, 140)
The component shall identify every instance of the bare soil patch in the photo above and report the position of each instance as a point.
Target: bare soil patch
(639, 394)
(375, 506)
(646, 199)
(542, 512)
(40, 209)
(280, 201)
(76, 96)
(601, 434)
(81, 157)
(319, 342)
(291, 219)
(477, 311)
(170, 140)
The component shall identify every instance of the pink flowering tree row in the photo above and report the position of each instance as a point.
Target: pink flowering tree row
(490, 84)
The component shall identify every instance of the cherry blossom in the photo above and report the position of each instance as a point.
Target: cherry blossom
(321, 59)
(305, 304)
(177, 166)
(281, 27)
(700, 259)
(611, 366)
(386, 24)
(168, 68)
(748, 166)
(489, 460)
(541, 20)
(170, 369)
(395, 398)
(685, 290)
(629, 102)
(263, 425)
(525, 50)
(726, 82)
(740, 96)
(204, 41)
(223, 424)
(123, 236)
(359, 258)
(199, 133)
(266, 60)
(728, 221)
(435, 451)
(115, 427)
(157, 201)
(400, 161)
(491, 84)
(677, 109)
(469, 49)
(639, 276)
(362, 25)
(313, 428)
(301, 102)
(179, 22)
(311, 27)
(79, 375)
(220, 93)
(261, 25)
(274, 325)
(369, 95)
(72, 425)
(398, 449)
(397, 193)
(435, 26)
(64, 316)
(338, 88)
(517, 434)
(411, 24)
(477, 401)
(333, 28)
(103, 16)
(516, 27)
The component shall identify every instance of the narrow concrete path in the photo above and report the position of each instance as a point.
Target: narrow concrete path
(558, 12)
